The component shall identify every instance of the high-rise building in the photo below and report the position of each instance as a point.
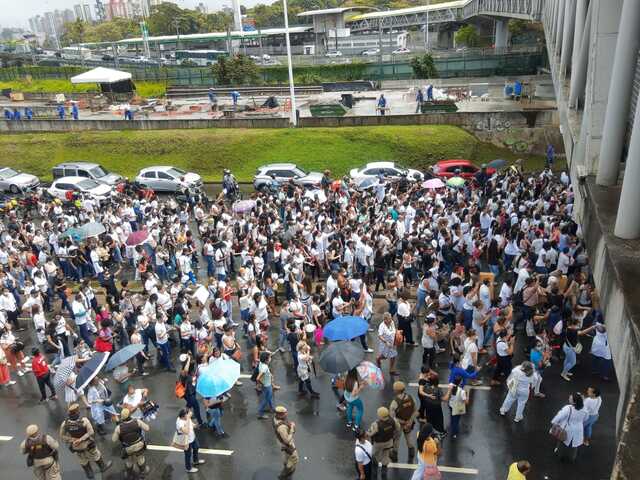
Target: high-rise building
(202, 8)
(83, 12)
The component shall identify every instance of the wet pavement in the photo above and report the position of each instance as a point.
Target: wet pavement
(488, 443)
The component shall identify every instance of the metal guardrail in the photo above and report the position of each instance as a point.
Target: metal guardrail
(177, 92)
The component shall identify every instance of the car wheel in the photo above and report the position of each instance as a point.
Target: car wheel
(14, 189)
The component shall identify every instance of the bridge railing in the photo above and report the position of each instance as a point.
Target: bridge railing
(532, 9)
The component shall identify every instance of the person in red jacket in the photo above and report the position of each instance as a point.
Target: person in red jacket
(43, 375)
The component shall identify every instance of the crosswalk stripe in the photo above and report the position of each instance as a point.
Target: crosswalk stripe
(207, 451)
(472, 387)
(244, 375)
(4, 438)
(413, 466)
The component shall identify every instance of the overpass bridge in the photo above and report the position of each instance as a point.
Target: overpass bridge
(456, 11)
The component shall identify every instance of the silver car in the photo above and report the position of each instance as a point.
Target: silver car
(276, 174)
(168, 179)
(16, 182)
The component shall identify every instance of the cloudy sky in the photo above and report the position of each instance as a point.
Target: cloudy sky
(16, 13)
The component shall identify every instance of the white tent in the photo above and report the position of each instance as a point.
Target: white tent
(101, 75)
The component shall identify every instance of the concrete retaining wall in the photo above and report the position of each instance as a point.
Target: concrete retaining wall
(484, 121)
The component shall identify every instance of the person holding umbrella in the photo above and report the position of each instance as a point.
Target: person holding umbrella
(78, 434)
(352, 389)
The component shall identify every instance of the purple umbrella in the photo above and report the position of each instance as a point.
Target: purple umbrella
(243, 206)
(433, 183)
(137, 238)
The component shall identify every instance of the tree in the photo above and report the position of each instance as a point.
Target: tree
(239, 70)
(112, 31)
(424, 66)
(74, 32)
(467, 36)
(165, 17)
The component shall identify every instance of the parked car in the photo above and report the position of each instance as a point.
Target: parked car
(88, 170)
(388, 170)
(333, 54)
(168, 179)
(279, 173)
(370, 52)
(15, 182)
(448, 168)
(401, 51)
(85, 186)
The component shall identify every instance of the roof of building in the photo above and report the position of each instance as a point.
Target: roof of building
(408, 11)
(329, 11)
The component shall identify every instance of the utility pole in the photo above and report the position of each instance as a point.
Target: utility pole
(292, 93)
(380, 67)
(176, 24)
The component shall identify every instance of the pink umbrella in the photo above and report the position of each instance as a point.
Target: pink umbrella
(137, 237)
(433, 183)
(371, 375)
(243, 206)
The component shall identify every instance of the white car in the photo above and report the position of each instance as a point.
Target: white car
(370, 52)
(401, 51)
(168, 179)
(16, 182)
(388, 171)
(82, 185)
(333, 54)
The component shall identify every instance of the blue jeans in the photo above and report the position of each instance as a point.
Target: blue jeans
(266, 400)
(192, 403)
(215, 415)
(191, 452)
(588, 425)
(85, 335)
(393, 307)
(165, 355)
(455, 424)
(421, 296)
(358, 405)
(495, 269)
(569, 358)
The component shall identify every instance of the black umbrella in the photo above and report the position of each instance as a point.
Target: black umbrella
(90, 369)
(498, 163)
(341, 357)
(123, 355)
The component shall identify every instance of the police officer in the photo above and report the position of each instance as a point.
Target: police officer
(78, 434)
(284, 433)
(42, 454)
(384, 433)
(129, 434)
(403, 409)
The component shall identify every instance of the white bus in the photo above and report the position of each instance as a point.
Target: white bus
(201, 58)
(76, 53)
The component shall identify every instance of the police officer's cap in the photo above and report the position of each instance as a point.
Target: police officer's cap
(73, 408)
(281, 409)
(383, 413)
(32, 430)
(124, 414)
(399, 386)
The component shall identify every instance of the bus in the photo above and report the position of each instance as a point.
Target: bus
(76, 53)
(201, 58)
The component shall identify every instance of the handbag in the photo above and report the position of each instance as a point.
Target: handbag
(558, 432)
(180, 390)
(237, 355)
(398, 338)
(180, 441)
(318, 335)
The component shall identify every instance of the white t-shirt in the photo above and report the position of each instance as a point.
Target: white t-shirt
(180, 427)
(592, 405)
(161, 333)
(404, 310)
(362, 457)
(470, 347)
(134, 400)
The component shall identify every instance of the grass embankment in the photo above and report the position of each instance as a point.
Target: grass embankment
(243, 150)
(144, 89)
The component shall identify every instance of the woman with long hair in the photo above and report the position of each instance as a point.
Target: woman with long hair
(428, 452)
(570, 419)
(352, 389)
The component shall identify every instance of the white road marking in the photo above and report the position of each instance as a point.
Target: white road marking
(413, 466)
(244, 375)
(206, 451)
(472, 387)
(5, 438)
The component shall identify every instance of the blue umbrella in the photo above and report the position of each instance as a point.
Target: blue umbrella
(75, 234)
(90, 369)
(92, 229)
(218, 378)
(367, 182)
(345, 328)
(123, 355)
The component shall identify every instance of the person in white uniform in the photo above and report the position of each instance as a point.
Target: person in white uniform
(571, 419)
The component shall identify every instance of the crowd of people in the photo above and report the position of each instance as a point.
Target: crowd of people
(475, 275)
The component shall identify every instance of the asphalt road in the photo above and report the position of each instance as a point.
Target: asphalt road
(488, 443)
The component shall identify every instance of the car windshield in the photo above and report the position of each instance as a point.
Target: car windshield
(7, 173)
(176, 172)
(98, 172)
(300, 172)
(88, 184)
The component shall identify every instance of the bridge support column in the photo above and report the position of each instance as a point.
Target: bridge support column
(615, 123)
(559, 27)
(502, 33)
(567, 36)
(579, 71)
(628, 219)
(581, 14)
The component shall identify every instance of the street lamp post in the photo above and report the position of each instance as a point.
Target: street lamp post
(294, 119)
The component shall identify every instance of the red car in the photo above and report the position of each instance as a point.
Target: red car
(447, 168)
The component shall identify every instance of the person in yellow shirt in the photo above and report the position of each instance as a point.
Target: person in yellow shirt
(519, 470)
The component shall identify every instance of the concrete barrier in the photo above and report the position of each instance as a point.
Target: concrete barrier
(477, 121)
